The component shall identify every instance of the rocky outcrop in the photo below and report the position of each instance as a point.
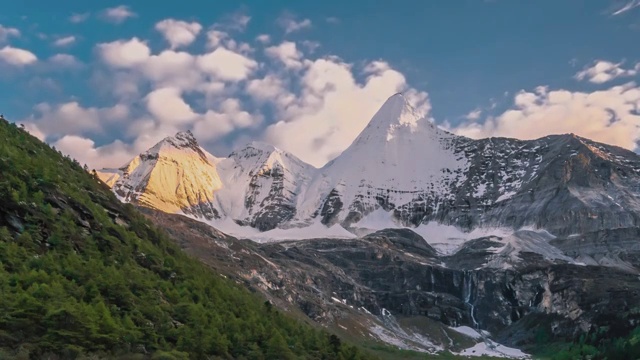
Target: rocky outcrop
(397, 272)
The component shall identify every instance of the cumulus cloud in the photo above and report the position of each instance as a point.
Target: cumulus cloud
(172, 69)
(226, 64)
(64, 61)
(334, 108)
(271, 89)
(17, 57)
(7, 32)
(289, 23)
(64, 41)
(124, 53)
(215, 38)
(78, 18)
(609, 116)
(287, 53)
(85, 151)
(320, 107)
(71, 118)
(178, 69)
(603, 71)
(178, 33)
(214, 124)
(473, 114)
(263, 39)
(168, 106)
(118, 14)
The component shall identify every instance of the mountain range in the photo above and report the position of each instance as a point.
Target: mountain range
(414, 236)
(402, 171)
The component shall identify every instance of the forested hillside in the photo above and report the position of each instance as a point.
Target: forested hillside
(82, 274)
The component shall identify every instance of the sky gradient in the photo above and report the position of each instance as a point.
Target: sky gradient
(103, 80)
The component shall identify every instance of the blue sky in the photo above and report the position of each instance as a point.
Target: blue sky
(104, 80)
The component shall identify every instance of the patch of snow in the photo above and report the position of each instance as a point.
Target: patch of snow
(480, 191)
(314, 231)
(447, 239)
(466, 330)
(378, 219)
(490, 348)
(505, 196)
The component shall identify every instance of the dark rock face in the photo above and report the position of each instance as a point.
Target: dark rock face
(562, 183)
(278, 205)
(274, 180)
(396, 271)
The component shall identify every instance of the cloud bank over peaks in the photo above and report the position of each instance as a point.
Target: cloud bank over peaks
(609, 115)
(226, 92)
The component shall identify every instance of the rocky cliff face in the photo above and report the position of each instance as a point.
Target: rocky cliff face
(261, 185)
(391, 285)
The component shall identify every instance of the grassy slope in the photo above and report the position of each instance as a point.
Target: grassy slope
(80, 273)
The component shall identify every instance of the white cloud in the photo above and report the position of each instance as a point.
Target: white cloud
(603, 71)
(263, 39)
(118, 14)
(215, 38)
(17, 57)
(78, 18)
(64, 61)
(178, 33)
(474, 115)
(64, 41)
(7, 32)
(288, 22)
(168, 106)
(310, 45)
(215, 124)
(271, 88)
(332, 20)
(124, 53)
(321, 107)
(226, 65)
(173, 69)
(628, 6)
(287, 53)
(239, 22)
(334, 108)
(71, 118)
(85, 151)
(608, 116)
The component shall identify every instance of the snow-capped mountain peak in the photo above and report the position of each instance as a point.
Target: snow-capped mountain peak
(182, 141)
(262, 184)
(394, 117)
(401, 171)
(400, 157)
(175, 175)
